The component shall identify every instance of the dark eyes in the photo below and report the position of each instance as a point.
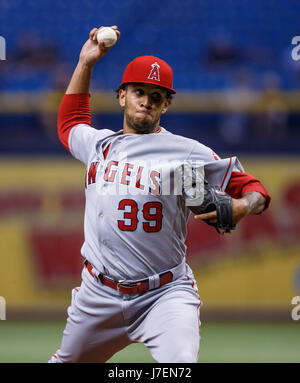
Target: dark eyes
(155, 96)
(139, 92)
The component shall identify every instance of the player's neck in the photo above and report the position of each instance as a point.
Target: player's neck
(128, 129)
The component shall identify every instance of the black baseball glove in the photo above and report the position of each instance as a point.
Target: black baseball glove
(215, 199)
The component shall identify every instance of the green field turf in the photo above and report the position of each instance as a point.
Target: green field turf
(220, 342)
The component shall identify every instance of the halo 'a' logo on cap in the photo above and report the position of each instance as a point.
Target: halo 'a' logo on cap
(154, 73)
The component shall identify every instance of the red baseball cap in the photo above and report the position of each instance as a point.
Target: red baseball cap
(149, 70)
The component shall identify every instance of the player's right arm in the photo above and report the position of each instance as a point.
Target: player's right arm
(74, 110)
(91, 52)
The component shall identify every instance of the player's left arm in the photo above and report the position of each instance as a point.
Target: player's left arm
(251, 203)
(248, 194)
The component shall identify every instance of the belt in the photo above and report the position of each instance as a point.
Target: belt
(136, 287)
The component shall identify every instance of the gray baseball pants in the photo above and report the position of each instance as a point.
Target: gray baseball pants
(102, 321)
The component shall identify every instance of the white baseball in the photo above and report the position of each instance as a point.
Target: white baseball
(108, 36)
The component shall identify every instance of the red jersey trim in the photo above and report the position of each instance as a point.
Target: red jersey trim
(241, 183)
(106, 152)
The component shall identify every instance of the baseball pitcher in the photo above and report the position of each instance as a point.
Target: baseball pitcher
(142, 182)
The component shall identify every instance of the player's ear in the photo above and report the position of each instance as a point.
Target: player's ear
(122, 93)
(166, 105)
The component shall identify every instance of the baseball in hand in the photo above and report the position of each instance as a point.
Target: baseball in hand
(107, 35)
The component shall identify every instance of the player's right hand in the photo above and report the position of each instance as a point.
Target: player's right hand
(92, 51)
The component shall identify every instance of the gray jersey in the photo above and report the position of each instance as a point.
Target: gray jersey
(134, 228)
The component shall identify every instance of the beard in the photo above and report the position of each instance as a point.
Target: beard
(143, 127)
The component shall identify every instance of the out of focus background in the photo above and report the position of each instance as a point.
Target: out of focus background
(237, 92)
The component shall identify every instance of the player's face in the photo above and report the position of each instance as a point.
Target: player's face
(143, 105)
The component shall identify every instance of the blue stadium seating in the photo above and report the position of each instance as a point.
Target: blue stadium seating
(177, 31)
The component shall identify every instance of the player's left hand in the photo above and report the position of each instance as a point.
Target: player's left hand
(240, 208)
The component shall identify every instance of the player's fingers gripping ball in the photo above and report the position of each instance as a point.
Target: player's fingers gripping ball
(107, 35)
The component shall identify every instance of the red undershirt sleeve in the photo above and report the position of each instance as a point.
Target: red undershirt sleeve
(74, 109)
(241, 183)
